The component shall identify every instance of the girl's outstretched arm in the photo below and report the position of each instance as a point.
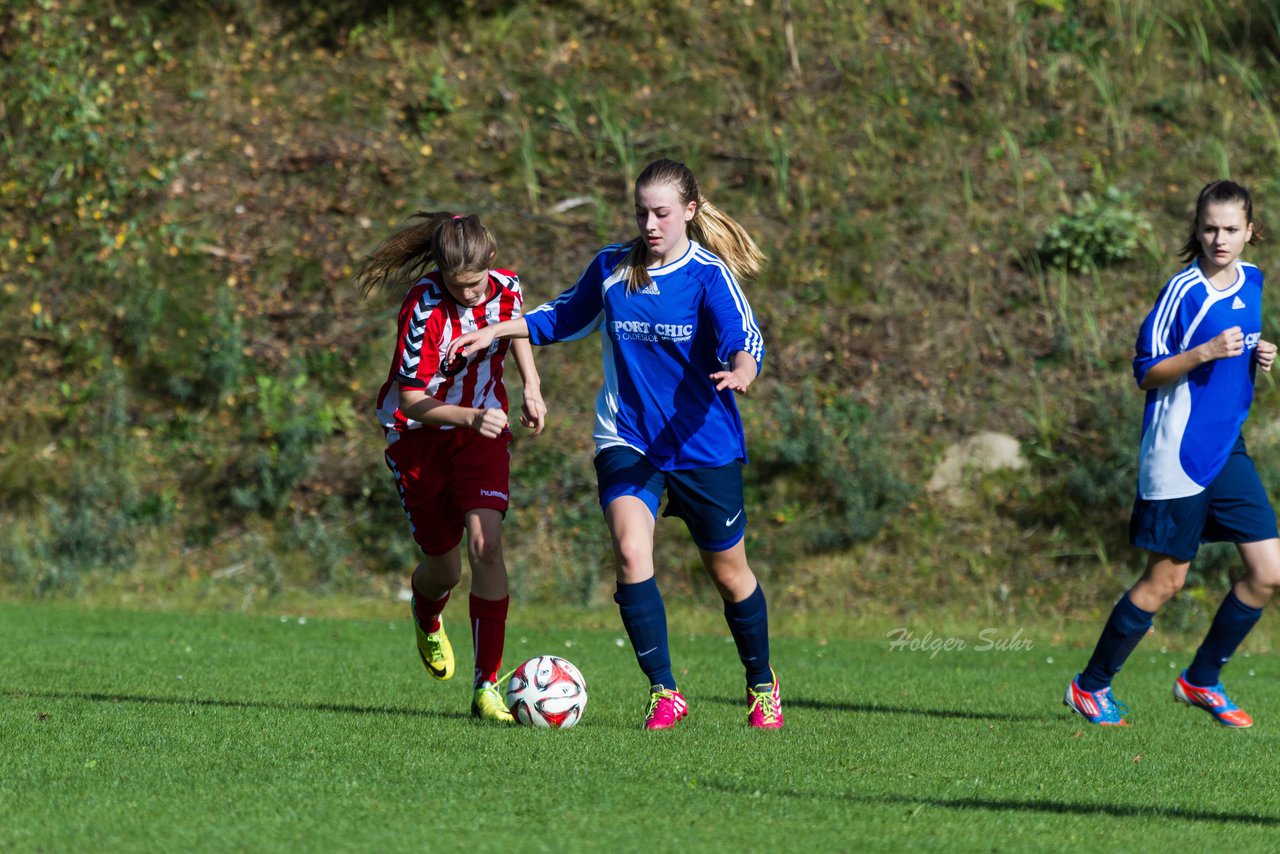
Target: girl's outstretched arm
(472, 342)
(743, 371)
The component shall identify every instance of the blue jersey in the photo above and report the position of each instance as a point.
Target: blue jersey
(1189, 426)
(659, 347)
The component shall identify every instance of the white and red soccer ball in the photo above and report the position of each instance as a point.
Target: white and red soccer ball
(547, 691)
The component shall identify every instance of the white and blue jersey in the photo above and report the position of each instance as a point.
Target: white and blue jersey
(1190, 426)
(659, 347)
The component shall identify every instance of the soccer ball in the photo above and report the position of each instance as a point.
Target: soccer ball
(547, 691)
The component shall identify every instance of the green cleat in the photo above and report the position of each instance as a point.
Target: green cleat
(435, 651)
(487, 705)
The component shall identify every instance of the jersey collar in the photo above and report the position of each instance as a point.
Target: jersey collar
(1229, 289)
(678, 263)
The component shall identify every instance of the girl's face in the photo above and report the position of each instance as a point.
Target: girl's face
(661, 217)
(470, 289)
(1224, 231)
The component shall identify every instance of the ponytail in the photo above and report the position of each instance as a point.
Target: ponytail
(720, 233)
(451, 243)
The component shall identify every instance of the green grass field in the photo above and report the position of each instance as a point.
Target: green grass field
(129, 730)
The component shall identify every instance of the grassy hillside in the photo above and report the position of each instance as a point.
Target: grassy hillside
(188, 372)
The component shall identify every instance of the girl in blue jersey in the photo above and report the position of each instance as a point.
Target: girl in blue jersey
(678, 340)
(1196, 356)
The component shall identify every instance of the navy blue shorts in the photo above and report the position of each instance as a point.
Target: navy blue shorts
(709, 500)
(1233, 509)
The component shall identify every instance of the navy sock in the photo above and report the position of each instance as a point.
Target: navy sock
(749, 624)
(1127, 625)
(645, 619)
(1232, 622)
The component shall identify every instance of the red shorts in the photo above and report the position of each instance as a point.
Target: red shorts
(443, 474)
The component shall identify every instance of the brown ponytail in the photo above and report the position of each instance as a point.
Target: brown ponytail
(454, 244)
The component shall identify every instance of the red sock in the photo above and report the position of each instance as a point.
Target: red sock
(428, 611)
(488, 633)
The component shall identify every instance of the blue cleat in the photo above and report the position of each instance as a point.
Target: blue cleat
(1213, 700)
(1098, 707)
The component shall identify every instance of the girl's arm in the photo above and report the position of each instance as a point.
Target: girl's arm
(1228, 343)
(743, 371)
(419, 406)
(478, 341)
(534, 410)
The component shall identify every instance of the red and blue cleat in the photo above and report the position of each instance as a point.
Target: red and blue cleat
(1213, 700)
(1097, 707)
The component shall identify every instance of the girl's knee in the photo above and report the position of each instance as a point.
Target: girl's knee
(483, 550)
(437, 574)
(735, 581)
(1263, 586)
(634, 552)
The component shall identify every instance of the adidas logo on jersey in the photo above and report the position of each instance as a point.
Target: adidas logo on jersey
(651, 290)
(1237, 303)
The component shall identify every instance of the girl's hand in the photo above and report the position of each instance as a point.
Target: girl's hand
(489, 422)
(1227, 343)
(534, 412)
(467, 343)
(1265, 354)
(738, 381)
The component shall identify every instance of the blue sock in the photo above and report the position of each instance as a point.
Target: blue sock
(1232, 622)
(749, 624)
(1127, 625)
(645, 619)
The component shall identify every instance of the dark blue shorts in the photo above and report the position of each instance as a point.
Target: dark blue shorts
(709, 500)
(1233, 509)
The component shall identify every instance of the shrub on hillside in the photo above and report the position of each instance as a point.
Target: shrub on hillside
(1095, 233)
(827, 467)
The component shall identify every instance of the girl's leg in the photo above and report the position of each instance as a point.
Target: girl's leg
(745, 609)
(644, 615)
(1130, 620)
(432, 580)
(1238, 613)
(1262, 573)
(489, 592)
(434, 577)
(631, 525)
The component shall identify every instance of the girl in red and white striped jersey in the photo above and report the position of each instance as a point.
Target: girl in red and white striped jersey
(446, 429)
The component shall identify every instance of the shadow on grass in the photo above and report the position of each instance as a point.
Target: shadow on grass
(340, 708)
(880, 709)
(994, 805)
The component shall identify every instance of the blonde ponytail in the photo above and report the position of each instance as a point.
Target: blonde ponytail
(720, 233)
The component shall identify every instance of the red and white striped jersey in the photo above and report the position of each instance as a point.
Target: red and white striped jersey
(429, 319)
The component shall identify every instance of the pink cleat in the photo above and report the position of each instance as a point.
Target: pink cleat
(666, 708)
(765, 710)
